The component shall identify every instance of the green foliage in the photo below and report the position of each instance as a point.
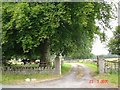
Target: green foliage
(66, 27)
(76, 39)
(114, 43)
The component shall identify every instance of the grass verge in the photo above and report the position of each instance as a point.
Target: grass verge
(12, 78)
(65, 68)
(111, 77)
(93, 68)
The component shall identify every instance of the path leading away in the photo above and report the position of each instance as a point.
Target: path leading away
(68, 81)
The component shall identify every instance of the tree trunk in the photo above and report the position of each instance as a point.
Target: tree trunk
(44, 53)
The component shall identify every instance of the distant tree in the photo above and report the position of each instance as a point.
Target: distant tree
(114, 43)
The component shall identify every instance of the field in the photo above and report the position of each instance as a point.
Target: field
(112, 59)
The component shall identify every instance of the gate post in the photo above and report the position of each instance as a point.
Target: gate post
(101, 65)
(57, 65)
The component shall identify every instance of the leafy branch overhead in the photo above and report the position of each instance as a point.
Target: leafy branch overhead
(65, 27)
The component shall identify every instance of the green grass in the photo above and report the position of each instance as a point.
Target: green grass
(65, 68)
(12, 78)
(111, 77)
(93, 68)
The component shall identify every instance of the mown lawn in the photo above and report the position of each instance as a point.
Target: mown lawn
(111, 77)
(12, 78)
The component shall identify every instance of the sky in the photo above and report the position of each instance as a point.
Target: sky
(101, 48)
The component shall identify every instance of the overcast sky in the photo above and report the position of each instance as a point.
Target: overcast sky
(100, 48)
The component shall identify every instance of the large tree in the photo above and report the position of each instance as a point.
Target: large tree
(114, 43)
(76, 39)
(39, 28)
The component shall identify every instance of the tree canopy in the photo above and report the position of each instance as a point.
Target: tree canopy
(56, 27)
(114, 43)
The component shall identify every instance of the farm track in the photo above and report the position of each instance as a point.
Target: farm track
(69, 81)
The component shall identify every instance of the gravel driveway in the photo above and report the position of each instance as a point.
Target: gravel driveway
(68, 81)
